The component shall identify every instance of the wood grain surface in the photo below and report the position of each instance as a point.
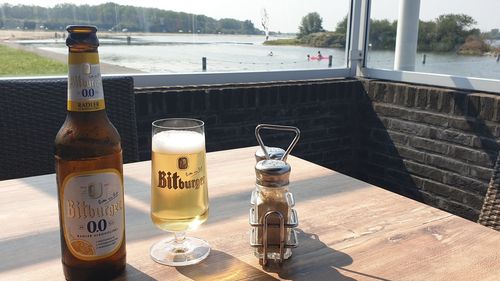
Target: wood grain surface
(348, 230)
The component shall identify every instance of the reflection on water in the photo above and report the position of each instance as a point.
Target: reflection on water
(442, 63)
(178, 53)
(183, 53)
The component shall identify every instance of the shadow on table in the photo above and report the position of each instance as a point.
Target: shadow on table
(223, 208)
(132, 273)
(314, 260)
(222, 266)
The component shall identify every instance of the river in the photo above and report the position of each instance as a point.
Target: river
(182, 53)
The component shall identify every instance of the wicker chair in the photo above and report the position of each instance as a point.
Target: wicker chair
(31, 113)
(490, 212)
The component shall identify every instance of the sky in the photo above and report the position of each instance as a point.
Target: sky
(285, 15)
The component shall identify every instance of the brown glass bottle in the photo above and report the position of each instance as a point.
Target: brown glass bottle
(89, 170)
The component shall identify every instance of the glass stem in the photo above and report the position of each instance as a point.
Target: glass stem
(180, 236)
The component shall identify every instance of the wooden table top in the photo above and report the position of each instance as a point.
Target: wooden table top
(348, 230)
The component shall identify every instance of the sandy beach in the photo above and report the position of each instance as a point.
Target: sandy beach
(24, 34)
(6, 35)
(9, 38)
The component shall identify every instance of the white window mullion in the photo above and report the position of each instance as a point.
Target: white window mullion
(360, 12)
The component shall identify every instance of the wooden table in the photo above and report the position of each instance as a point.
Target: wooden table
(348, 230)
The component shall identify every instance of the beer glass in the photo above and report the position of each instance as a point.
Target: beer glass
(179, 196)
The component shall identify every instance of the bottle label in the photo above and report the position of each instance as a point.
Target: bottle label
(85, 91)
(93, 214)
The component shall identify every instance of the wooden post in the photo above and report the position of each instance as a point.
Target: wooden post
(423, 58)
(204, 63)
(330, 59)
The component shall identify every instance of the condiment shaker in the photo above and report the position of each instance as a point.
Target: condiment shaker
(272, 216)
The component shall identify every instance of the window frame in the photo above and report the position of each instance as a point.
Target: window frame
(425, 78)
(213, 78)
(235, 77)
(355, 52)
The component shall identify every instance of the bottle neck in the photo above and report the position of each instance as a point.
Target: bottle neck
(85, 91)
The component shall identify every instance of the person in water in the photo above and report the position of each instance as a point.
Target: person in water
(319, 55)
(270, 54)
(308, 57)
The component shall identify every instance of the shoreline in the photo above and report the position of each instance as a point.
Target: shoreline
(8, 36)
(463, 50)
(12, 34)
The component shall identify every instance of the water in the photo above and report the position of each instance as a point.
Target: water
(442, 63)
(181, 53)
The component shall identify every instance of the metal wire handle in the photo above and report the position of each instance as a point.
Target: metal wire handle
(277, 128)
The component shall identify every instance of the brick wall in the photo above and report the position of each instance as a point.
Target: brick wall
(323, 110)
(432, 144)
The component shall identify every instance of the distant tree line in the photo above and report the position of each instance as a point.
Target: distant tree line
(494, 34)
(449, 32)
(114, 17)
(444, 34)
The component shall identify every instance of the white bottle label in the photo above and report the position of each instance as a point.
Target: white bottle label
(85, 92)
(93, 213)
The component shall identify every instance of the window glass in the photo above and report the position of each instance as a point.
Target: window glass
(455, 37)
(173, 36)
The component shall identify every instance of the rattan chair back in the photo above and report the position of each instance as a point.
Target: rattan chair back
(490, 212)
(32, 111)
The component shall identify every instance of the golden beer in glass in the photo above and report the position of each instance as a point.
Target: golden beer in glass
(179, 195)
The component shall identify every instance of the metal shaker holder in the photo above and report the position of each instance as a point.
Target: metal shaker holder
(274, 173)
(277, 128)
(284, 242)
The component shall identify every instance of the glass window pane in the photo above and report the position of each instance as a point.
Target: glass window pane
(382, 36)
(174, 36)
(455, 37)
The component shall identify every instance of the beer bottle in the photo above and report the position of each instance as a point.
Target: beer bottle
(89, 173)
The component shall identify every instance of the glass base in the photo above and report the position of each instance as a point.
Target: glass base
(173, 253)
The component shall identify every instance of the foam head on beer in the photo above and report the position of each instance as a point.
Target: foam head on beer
(178, 142)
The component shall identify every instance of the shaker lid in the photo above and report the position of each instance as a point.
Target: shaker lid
(274, 153)
(272, 173)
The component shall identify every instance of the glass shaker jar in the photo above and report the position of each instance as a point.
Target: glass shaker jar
(273, 210)
(272, 216)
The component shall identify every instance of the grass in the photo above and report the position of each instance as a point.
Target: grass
(16, 62)
(319, 39)
(280, 42)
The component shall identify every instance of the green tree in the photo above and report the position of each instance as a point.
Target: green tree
(446, 33)
(311, 23)
(248, 27)
(494, 34)
(426, 35)
(117, 17)
(342, 26)
(452, 31)
(383, 34)
(229, 24)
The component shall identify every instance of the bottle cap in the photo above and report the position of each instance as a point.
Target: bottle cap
(82, 34)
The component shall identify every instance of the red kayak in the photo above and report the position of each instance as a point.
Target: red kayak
(318, 58)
